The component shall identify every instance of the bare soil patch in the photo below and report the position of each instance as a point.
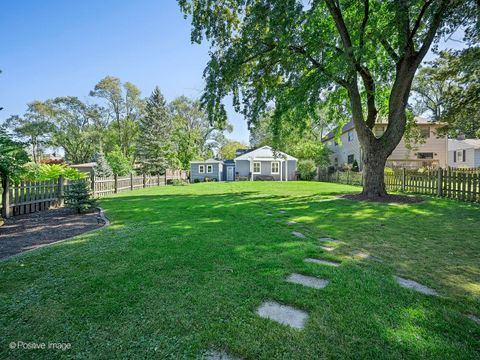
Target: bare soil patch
(27, 232)
(395, 199)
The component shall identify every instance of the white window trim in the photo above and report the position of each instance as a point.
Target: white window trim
(211, 169)
(259, 166)
(271, 167)
(201, 169)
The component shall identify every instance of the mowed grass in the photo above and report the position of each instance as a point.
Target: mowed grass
(183, 269)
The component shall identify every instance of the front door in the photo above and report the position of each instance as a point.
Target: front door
(230, 173)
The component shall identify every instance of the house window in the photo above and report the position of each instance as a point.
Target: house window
(454, 156)
(209, 169)
(256, 167)
(201, 169)
(464, 155)
(350, 136)
(350, 159)
(425, 131)
(275, 168)
(425, 155)
(459, 155)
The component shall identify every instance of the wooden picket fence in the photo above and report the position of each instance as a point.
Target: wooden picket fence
(27, 197)
(460, 184)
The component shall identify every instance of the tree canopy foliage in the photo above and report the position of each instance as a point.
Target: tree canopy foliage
(357, 57)
(448, 90)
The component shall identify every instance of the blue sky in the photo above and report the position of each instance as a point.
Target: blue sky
(58, 47)
(52, 48)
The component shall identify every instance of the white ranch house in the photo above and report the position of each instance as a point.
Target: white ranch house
(262, 163)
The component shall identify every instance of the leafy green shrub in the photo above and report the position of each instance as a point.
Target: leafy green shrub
(78, 196)
(196, 181)
(43, 172)
(179, 182)
(355, 166)
(119, 163)
(307, 169)
(388, 171)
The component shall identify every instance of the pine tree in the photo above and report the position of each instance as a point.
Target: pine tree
(78, 196)
(155, 145)
(102, 169)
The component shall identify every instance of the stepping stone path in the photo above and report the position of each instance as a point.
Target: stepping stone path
(327, 248)
(292, 223)
(282, 211)
(321, 262)
(327, 239)
(474, 318)
(297, 234)
(283, 314)
(218, 355)
(309, 281)
(410, 284)
(365, 256)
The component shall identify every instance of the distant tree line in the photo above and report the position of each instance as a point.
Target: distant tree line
(121, 130)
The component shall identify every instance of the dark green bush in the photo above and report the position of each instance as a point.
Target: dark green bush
(78, 196)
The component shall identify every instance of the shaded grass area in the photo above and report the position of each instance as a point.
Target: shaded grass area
(183, 269)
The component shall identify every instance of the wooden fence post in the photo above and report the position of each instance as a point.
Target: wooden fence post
(115, 183)
(144, 180)
(338, 176)
(61, 190)
(131, 181)
(6, 199)
(404, 178)
(165, 177)
(158, 179)
(92, 183)
(439, 181)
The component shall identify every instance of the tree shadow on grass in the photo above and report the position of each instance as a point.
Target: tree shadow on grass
(180, 273)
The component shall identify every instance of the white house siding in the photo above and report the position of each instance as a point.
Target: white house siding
(472, 153)
(242, 167)
(339, 153)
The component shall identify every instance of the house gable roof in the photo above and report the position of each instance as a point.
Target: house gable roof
(264, 152)
(454, 144)
(208, 161)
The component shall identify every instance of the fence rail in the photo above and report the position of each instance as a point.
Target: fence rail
(460, 184)
(27, 197)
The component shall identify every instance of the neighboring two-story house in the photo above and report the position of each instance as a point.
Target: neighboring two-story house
(432, 153)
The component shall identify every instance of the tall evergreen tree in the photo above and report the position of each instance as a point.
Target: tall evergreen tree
(102, 169)
(155, 144)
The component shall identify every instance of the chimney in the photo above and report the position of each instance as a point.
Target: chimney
(461, 137)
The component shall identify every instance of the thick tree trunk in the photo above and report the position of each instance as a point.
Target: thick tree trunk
(373, 174)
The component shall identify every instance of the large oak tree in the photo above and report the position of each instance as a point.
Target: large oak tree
(296, 55)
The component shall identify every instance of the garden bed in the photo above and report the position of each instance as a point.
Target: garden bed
(28, 232)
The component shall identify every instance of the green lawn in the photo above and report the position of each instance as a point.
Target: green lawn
(182, 270)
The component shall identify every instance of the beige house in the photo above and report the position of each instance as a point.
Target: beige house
(432, 153)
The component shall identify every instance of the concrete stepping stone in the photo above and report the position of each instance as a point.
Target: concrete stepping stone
(309, 281)
(410, 284)
(328, 239)
(321, 262)
(218, 355)
(365, 256)
(327, 248)
(292, 223)
(474, 318)
(298, 234)
(283, 314)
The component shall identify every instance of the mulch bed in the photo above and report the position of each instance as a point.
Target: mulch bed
(397, 199)
(27, 232)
